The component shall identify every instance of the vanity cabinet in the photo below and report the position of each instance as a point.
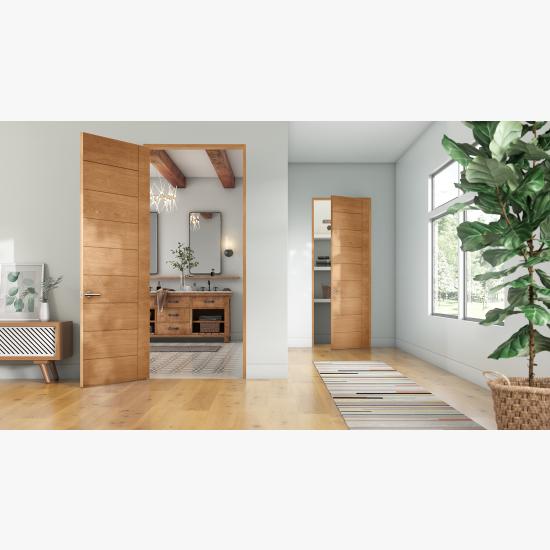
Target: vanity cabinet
(192, 315)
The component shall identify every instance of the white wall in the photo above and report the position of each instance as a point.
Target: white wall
(360, 180)
(204, 194)
(39, 217)
(456, 345)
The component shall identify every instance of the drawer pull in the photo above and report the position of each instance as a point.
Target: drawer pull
(173, 328)
(173, 315)
(209, 301)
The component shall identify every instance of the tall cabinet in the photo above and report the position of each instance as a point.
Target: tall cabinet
(341, 272)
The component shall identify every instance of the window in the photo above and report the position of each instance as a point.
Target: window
(479, 298)
(454, 292)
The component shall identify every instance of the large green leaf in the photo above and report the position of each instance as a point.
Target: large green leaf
(541, 257)
(18, 305)
(496, 274)
(543, 141)
(518, 296)
(545, 230)
(13, 291)
(13, 276)
(496, 316)
(490, 172)
(459, 206)
(483, 131)
(461, 152)
(517, 345)
(529, 151)
(506, 133)
(544, 277)
(533, 181)
(10, 300)
(542, 343)
(520, 282)
(475, 235)
(497, 256)
(540, 210)
(538, 315)
(488, 203)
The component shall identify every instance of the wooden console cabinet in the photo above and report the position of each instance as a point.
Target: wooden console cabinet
(182, 311)
(44, 343)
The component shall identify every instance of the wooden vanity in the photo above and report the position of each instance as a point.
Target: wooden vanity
(192, 315)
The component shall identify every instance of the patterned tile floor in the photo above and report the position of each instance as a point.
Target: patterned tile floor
(224, 363)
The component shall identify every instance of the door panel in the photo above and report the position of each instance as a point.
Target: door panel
(114, 324)
(111, 289)
(101, 233)
(350, 277)
(110, 179)
(109, 206)
(110, 261)
(119, 317)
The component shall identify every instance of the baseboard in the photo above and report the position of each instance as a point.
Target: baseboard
(26, 371)
(382, 342)
(463, 370)
(300, 342)
(263, 371)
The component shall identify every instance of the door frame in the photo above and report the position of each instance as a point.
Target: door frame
(242, 147)
(313, 199)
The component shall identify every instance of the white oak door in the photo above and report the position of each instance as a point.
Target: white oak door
(114, 270)
(350, 272)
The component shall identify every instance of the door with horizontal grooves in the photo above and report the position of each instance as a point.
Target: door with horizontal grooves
(351, 272)
(114, 267)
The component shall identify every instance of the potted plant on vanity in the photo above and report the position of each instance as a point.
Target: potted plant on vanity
(184, 260)
(507, 173)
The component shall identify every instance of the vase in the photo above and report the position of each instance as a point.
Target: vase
(44, 311)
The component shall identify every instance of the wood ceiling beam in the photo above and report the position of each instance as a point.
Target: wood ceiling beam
(167, 168)
(220, 162)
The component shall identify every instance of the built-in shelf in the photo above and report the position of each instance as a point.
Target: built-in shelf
(195, 277)
(321, 268)
(322, 300)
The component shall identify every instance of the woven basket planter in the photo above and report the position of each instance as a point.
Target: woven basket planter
(519, 406)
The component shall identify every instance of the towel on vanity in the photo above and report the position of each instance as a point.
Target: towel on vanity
(161, 298)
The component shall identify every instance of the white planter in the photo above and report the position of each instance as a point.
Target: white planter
(44, 311)
(187, 288)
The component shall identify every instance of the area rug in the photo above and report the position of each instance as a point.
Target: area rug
(187, 348)
(224, 363)
(373, 396)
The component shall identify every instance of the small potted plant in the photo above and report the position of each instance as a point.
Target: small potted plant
(48, 285)
(507, 172)
(184, 260)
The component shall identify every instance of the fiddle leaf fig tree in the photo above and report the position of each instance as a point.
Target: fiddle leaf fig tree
(507, 172)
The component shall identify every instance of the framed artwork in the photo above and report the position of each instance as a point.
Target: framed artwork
(20, 286)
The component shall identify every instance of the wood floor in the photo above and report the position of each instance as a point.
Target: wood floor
(301, 402)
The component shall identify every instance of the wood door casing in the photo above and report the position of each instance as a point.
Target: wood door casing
(351, 272)
(114, 326)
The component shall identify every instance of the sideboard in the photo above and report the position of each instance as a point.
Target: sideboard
(44, 343)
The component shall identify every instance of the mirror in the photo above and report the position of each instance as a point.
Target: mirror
(205, 238)
(153, 259)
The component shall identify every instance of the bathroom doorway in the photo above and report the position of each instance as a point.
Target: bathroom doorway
(197, 307)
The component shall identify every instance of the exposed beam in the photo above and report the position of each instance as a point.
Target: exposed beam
(167, 167)
(220, 162)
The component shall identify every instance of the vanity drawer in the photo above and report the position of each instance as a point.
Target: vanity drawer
(208, 302)
(173, 329)
(178, 301)
(174, 315)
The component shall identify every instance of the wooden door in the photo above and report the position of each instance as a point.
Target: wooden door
(351, 272)
(114, 270)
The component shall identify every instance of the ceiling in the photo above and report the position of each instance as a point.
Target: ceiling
(351, 141)
(194, 163)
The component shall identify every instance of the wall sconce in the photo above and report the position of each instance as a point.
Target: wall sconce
(228, 252)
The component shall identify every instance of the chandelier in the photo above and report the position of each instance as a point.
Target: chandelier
(163, 196)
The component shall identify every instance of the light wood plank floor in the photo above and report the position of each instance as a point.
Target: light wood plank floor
(301, 402)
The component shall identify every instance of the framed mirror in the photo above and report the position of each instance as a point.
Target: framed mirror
(153, 260)
(205, 238)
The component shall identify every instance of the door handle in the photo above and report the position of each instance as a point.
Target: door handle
(89, 294)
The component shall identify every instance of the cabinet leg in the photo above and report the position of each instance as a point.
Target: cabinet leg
(44, 368)
(53, 370)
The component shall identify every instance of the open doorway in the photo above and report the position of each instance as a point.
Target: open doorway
(197, 313)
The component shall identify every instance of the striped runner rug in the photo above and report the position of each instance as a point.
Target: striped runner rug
(373, 396)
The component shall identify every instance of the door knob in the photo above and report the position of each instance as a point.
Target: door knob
(89, 294)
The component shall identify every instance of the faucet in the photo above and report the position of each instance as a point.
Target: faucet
(208, 285)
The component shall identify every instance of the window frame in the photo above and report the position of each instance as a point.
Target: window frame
(433, 215)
